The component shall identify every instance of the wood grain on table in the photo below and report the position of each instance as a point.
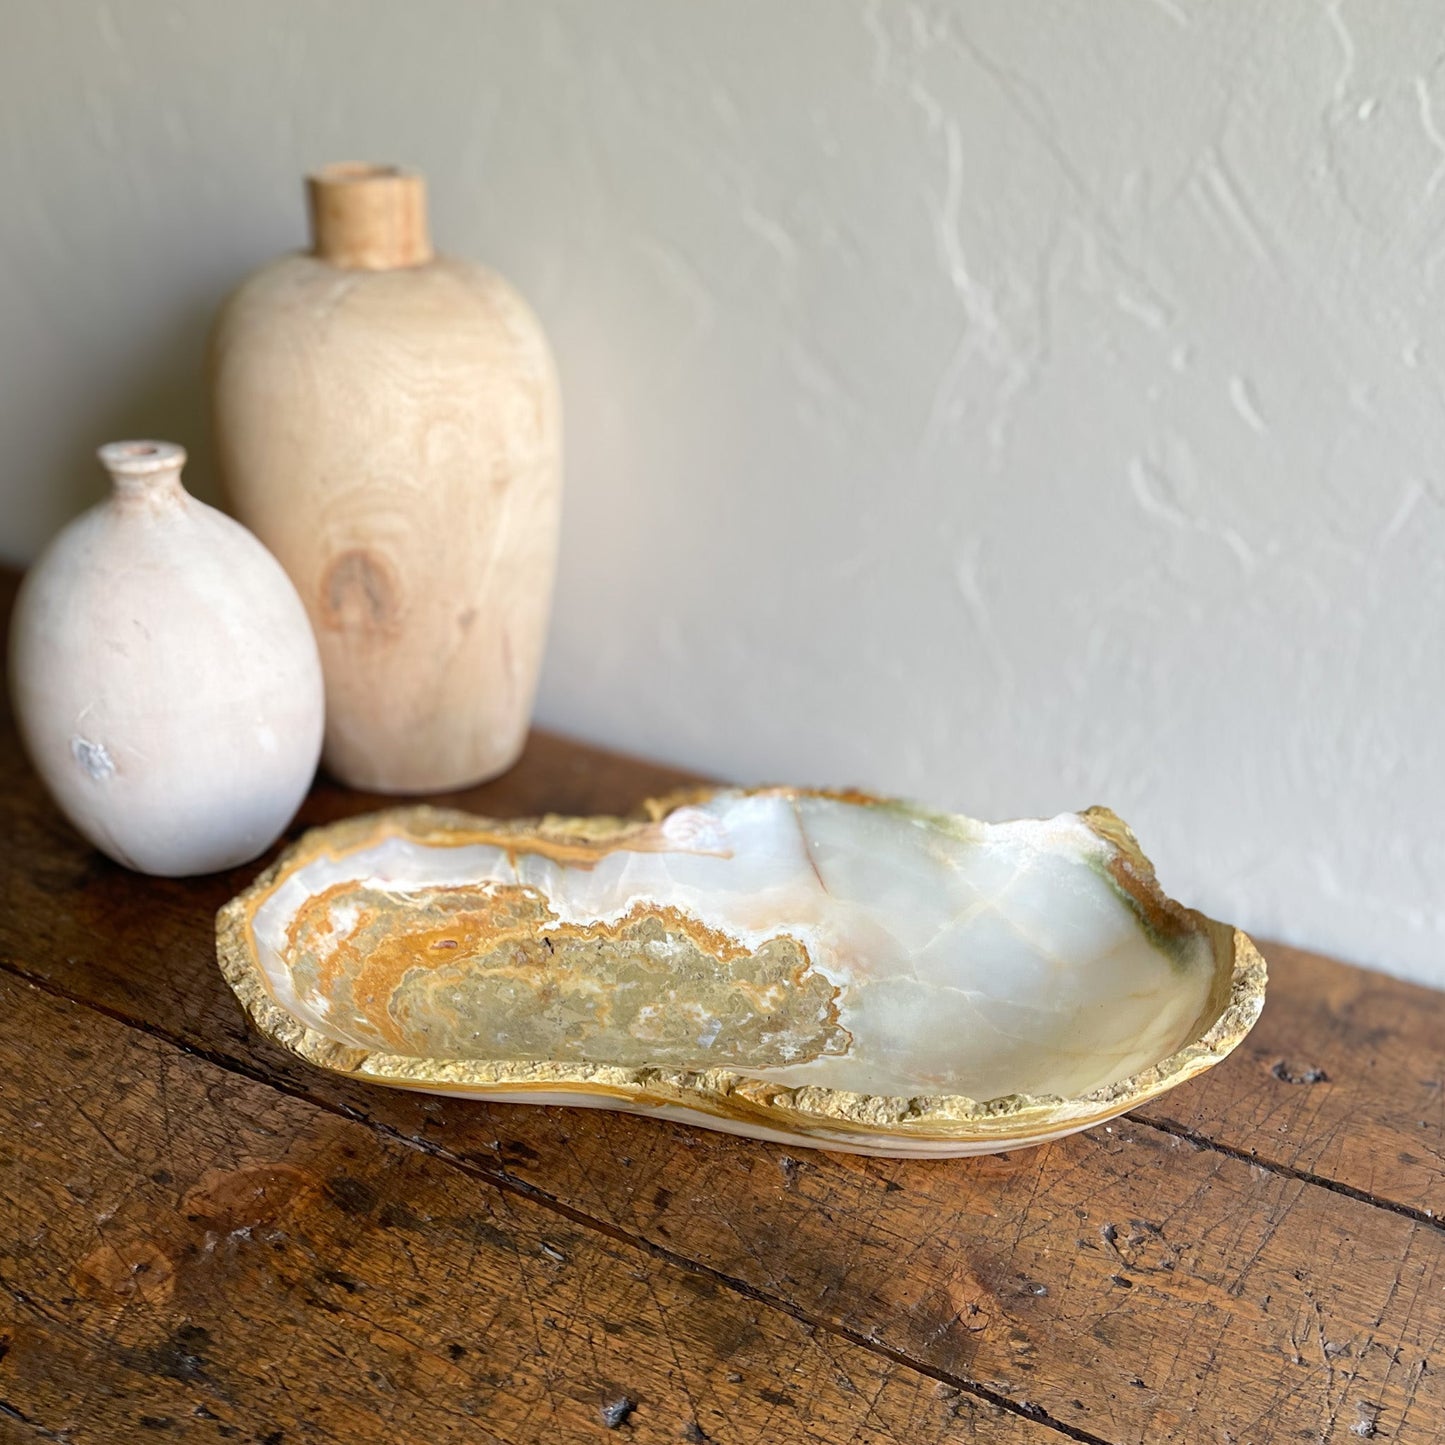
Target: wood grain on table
(203, 1239)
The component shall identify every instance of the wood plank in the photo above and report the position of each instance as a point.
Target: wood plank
(190, 1254)
(1112, 1281)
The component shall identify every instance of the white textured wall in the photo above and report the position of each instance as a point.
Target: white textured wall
(1013, 404)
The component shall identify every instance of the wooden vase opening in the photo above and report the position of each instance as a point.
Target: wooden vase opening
(368, 217)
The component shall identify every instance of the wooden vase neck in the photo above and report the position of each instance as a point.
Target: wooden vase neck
(368, 218)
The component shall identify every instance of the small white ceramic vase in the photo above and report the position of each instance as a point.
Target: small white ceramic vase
(164, 675)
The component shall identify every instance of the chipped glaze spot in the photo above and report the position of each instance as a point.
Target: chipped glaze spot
(95, 758)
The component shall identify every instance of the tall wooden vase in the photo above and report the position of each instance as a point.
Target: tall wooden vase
(387, 422)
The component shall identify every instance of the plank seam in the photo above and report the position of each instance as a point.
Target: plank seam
(1288, 1171)
(9, 1412)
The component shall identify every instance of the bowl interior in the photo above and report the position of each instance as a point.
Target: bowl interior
(793, 937)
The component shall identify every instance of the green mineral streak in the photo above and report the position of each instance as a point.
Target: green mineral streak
(1179, 942)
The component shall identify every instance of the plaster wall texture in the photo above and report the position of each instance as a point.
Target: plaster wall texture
(1011, 405)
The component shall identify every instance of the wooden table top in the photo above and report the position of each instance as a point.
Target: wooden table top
(203, 1239)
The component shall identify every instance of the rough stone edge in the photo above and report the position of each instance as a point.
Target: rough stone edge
(721, 1093)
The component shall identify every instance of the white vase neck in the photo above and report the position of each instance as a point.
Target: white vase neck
(144, 469)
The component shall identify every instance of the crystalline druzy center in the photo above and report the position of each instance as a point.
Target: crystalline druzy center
(794, 937)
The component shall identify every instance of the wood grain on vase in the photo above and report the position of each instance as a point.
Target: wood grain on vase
(387, 421)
